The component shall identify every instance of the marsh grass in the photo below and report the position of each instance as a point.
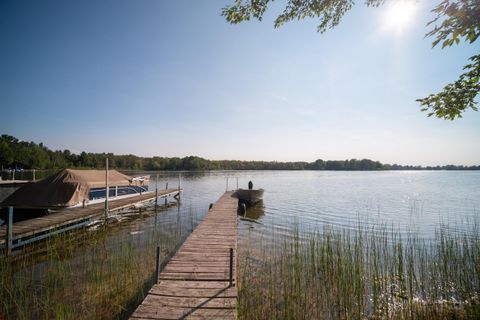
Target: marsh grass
(89, 275)
(362, 274)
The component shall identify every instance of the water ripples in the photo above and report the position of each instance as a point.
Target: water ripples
(418, 202)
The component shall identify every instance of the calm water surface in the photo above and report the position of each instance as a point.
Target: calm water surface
(417, 202)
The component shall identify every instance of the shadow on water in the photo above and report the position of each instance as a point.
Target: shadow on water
(254, 213)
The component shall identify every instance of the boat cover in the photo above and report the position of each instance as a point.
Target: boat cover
(65, 188)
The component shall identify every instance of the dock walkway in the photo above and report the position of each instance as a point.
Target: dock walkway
(13, 183)
(27, 231)
(195, 282)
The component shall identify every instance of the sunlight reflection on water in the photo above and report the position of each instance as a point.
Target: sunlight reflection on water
(414, 202)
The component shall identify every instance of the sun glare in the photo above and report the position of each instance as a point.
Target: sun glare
(399, 15)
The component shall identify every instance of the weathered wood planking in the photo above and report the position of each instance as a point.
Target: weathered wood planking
(13, 183)
(195, 282)
(65, 217)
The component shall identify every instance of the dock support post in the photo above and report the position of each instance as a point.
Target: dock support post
(179, 185)
(226, 187)
(157, 269)
(106, 189)
(9, 230)
(231, 268)
(166, 187)
(156, 191)
(34, 175)
(242, 209)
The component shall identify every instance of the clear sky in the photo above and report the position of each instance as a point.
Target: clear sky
(173, 78)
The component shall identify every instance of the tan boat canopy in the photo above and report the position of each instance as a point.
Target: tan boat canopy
(65, 188)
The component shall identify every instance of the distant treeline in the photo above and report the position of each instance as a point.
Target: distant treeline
(18, 154)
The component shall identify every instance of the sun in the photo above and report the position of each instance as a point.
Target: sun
(399, 15)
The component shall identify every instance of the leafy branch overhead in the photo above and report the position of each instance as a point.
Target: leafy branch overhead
(455, 97)
(462, 21)
(329, 12)
(456, 21)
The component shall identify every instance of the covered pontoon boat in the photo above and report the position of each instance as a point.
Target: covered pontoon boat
(71, 188)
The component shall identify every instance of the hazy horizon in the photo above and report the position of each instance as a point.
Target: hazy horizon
(168, 79)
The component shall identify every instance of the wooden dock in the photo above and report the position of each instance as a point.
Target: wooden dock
(195, 283)
(27, 231)
(13, 183)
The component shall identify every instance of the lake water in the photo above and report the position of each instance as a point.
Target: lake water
(416, 202)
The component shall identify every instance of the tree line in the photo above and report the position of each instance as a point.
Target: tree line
(18, 154)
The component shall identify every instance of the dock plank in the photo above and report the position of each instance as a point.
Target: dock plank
(195, 282)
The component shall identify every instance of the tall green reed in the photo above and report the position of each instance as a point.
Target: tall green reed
(362, 274)
(90, 274)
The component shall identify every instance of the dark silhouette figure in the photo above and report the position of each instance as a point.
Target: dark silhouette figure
(250, 185)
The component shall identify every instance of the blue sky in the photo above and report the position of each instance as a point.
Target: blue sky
(174, 79)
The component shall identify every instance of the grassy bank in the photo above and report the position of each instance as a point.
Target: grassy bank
(355, 274)
(88, 275)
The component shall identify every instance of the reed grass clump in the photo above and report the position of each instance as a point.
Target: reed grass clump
(362, 274)
(100, 274)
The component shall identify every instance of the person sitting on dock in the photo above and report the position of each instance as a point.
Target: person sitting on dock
(250, 185)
